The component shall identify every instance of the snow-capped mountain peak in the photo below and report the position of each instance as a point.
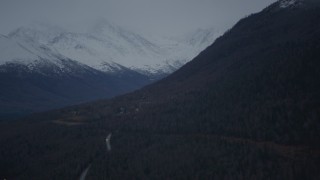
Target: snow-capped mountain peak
(103, 27)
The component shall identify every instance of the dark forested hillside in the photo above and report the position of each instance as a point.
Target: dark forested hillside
(248, 107)
(24, 91)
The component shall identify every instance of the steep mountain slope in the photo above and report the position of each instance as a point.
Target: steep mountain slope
(247, 107)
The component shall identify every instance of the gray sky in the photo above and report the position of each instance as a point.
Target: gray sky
(158, 16)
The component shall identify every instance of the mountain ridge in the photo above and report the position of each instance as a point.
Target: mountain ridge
(108, 43)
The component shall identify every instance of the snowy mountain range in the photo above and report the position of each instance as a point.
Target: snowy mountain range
(105, 47)
(44, 67)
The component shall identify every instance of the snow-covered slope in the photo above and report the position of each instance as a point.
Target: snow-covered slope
(282, 4)
(180, 50)
(30, 54)
(288, 3)
(14, 52)
(108, 47)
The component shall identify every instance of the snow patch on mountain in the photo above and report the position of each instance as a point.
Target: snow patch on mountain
(289, 3)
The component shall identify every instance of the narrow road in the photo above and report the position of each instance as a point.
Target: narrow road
(84, 173)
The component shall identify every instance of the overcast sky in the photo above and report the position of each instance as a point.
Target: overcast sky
(158, 16)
